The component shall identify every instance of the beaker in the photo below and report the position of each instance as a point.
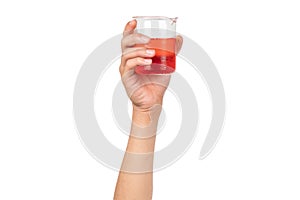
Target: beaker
(162, 31)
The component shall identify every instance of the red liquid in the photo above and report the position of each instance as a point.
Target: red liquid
(164, 61)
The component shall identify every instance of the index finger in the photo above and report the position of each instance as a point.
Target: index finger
(130, 26)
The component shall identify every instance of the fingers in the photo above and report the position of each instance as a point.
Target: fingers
(135, 58)
(179, 41)
(132, 39)
(146, 53)
(132, 63)
(129, 28)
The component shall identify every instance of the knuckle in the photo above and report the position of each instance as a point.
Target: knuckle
(130, 63)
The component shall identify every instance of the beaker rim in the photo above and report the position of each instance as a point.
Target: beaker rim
(155, 17)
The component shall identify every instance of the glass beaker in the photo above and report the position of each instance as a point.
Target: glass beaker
(162, 31)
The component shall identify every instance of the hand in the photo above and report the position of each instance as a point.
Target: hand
(144, 91)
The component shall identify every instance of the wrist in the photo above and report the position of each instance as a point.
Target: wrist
(144, 117)
(144, 123)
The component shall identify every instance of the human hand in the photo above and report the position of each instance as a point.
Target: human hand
(144, 91)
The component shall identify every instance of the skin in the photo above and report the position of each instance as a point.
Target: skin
(146, 93)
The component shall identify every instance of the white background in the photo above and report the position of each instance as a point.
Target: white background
(255, 46)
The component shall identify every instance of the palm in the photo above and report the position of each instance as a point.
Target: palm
(145, 90)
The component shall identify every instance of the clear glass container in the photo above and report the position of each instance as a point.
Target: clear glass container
(162, 31)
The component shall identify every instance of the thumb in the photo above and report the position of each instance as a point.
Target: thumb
(130, 26)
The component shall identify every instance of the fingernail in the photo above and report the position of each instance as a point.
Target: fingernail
(144, 39)
(150, 52)
(148, 61)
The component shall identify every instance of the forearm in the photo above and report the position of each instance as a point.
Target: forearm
(136, 176)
